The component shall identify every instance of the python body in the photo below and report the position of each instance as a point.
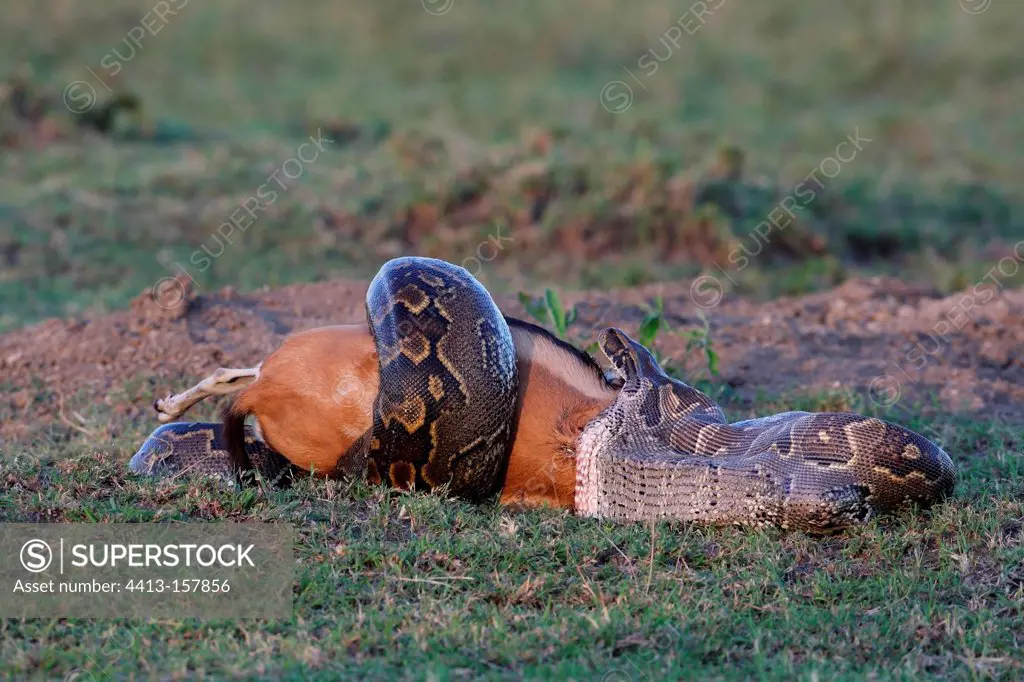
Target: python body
(657, 448)
(664, 450)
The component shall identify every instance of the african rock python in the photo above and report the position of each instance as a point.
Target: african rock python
(662, 449)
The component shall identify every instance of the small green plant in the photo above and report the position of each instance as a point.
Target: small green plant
(548, 310)
(653, 323)
(696, 339)
(700, 339)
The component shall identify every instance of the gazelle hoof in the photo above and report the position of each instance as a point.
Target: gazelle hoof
(163, 414)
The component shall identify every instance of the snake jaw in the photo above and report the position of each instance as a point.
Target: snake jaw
(631, 360)
(616, 346)
(614, 378)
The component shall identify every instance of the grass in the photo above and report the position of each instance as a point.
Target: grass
(400, 586)
(447, 125)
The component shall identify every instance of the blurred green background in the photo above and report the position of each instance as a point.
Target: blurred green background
(447, 124)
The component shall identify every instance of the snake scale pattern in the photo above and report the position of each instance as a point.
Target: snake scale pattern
(663, 449)
(448, 380)
(182, 449)
(660, 450)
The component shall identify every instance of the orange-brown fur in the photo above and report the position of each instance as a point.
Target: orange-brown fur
(314, 395)
(557, 397)
(298, 413)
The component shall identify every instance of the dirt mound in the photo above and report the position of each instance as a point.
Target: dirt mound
(882, 338)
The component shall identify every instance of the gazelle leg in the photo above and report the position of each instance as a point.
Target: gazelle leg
(222, 382)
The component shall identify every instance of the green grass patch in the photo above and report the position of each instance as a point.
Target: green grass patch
(411, 586)
(444, 126)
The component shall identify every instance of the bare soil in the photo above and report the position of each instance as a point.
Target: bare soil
(844, 339)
